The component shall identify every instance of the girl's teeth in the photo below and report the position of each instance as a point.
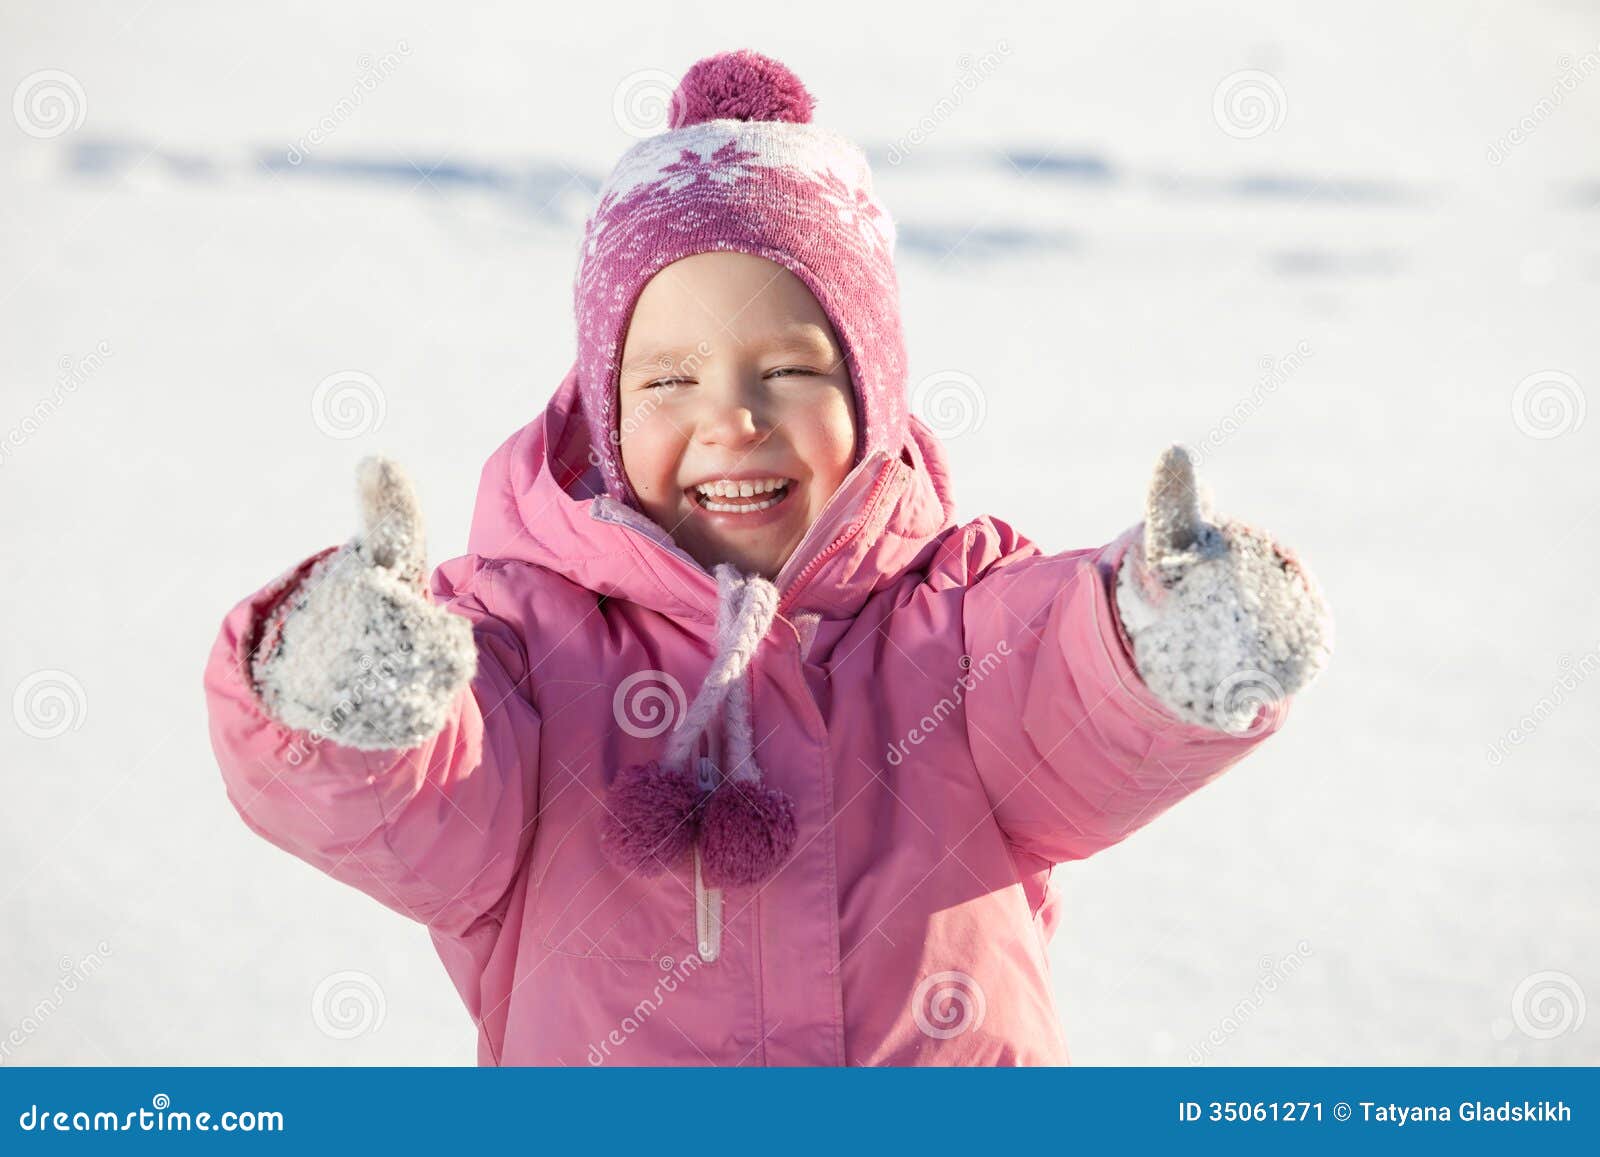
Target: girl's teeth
(743, 507)
(724, 488)
(711, 491)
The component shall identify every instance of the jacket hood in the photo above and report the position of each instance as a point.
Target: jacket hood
(542, 500)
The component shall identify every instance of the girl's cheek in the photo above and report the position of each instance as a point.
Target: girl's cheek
(833, 437)
(650, 457)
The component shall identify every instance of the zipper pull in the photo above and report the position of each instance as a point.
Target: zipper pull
(707, 901)
(707, 915)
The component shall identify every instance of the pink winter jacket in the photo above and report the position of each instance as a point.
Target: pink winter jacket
(952, 711)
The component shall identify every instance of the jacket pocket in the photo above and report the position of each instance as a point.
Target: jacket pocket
(586, 906)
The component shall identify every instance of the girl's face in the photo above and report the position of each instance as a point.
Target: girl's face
(737, 416)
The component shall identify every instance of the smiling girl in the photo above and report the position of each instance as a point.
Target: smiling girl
(839, 847)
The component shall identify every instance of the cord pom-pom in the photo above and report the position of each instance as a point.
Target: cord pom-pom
(742, 85)
(747, 831)
(652, 817)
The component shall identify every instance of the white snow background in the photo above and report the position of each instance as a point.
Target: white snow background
(1112, 261)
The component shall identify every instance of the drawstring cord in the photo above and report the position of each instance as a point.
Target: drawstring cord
(740, 828)
(746, 607)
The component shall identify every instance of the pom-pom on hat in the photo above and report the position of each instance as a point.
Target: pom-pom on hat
(741, 86)
(741, 167)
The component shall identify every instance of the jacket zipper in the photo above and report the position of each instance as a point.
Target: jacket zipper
(708, 901)
(788, 595)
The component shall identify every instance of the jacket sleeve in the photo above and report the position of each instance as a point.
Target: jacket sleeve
(435, 832)
(1074, 751)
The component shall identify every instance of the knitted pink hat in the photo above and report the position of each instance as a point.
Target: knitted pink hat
(742, 168)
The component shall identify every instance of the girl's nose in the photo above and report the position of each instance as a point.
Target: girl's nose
(734, 418)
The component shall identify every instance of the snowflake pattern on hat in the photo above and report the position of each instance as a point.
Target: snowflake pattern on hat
(726, 165)
(856, 207)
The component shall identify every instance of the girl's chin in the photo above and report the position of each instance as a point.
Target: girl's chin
(754, 550)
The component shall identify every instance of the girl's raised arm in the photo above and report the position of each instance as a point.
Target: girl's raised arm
(385, 737)
(1135, 673)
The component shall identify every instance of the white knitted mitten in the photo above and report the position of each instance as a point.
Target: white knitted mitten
(357, 653)
(1223, 619)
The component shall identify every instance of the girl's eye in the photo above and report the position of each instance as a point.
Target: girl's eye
(784, 372)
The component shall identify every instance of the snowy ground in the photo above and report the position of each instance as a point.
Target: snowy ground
(1080, 236)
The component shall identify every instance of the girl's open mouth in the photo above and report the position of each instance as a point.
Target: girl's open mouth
(741, 497)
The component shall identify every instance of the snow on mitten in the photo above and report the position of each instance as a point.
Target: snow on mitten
(1223, 620)
(356, 652)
